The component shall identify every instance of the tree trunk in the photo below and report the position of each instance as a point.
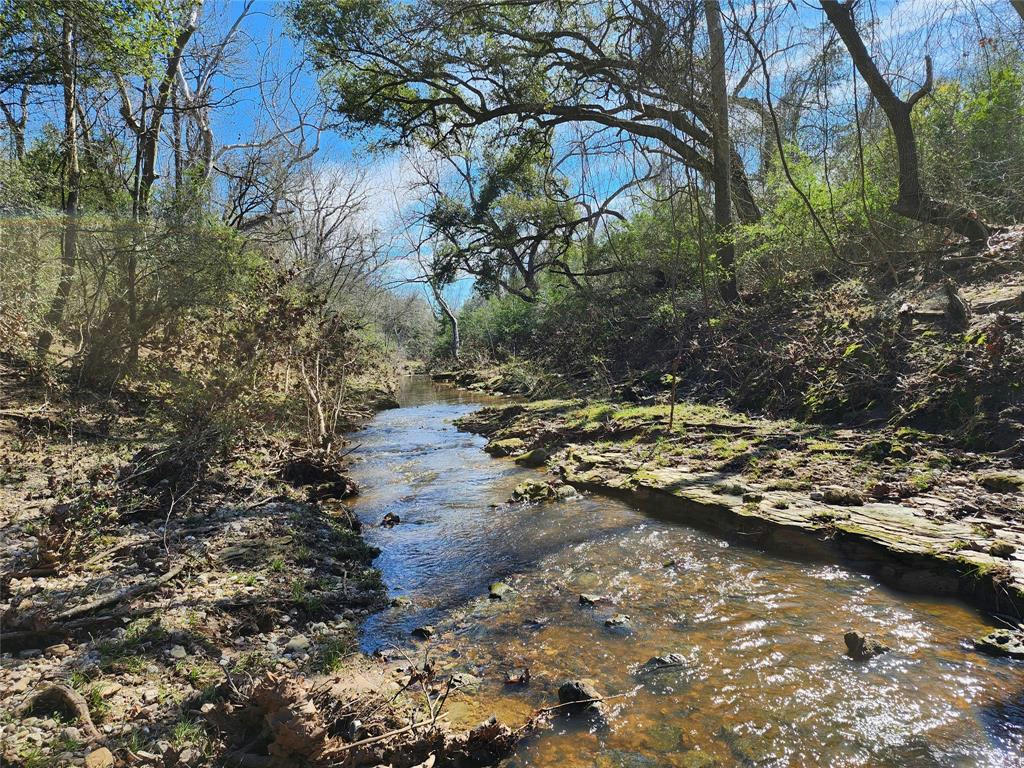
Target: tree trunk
(150, 136)
(723, 170)
(69, 240)
(912, 201)
(16, 125)
(176, 122)
(453, 320)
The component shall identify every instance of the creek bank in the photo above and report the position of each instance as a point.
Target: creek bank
(150, 623)
(912, 508)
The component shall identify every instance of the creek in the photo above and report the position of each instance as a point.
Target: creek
(764, 678)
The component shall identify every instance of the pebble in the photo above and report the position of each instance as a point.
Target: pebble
(99, 758)
(178, 652)
(297, 644)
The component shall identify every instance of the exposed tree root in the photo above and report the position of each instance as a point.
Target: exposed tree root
(67, 701)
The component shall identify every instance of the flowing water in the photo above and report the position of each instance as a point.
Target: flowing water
(764, 682)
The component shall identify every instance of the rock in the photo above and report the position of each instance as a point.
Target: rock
(30, 653)
(297, 644)
(817, 496)
(505, 447)
(618, 621)
(189, 756)
(423, 632)
(1001, 549)
(499, 590)
(465, 680)
(537, 622)
(532, 491)
(582, 694)
(538, 457)
(750, 749)
(150, 695)
(18, 686)
(589, 599)
(401, 602)
(847, 497)
(1002, 482)
(659, 663)
(862, 647)
(60, 649)
(563, 492)
(99, 758)
(752, 497)
(390, 520)
(71, 734)
(107, 688)
(1002, 642)
(696, 758)
(517, 676)
(178, 652)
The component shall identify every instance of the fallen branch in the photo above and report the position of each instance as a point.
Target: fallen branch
(112, 598)
(389, 734)
(596, 700)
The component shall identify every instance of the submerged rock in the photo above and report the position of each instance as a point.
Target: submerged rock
(505, 447)
(581, 694)
(401, 602)
(517, 676)
(538, 457)
(619, 621)
(390, 520)
(862, 647)
(499, 590)
(660, 663)
(589, 599)
(1002, 642)
(696, 758)
(424, 632)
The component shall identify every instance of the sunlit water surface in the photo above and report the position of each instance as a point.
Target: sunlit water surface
(765, 680)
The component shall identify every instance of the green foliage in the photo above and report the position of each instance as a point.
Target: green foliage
(787, 245)
(971, 137)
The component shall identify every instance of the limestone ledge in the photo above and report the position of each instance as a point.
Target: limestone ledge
(901, 545)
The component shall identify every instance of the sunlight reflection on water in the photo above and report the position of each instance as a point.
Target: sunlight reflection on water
(765, 681)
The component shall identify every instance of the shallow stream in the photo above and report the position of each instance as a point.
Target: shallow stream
(764, 682)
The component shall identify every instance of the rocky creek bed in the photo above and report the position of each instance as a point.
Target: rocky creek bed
(513, 581)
